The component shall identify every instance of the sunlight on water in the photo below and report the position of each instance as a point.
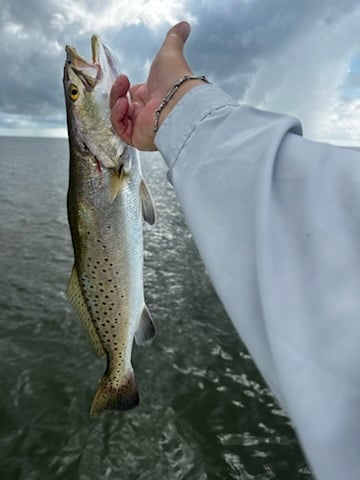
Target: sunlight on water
(204, 413)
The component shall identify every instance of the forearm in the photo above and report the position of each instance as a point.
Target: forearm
(276, 221)
(217, 153)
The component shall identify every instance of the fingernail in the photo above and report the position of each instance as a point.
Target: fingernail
(185, 29)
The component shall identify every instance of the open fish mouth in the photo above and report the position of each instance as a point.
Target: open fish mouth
(103, 63)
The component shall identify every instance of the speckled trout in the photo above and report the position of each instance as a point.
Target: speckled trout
(107, 199)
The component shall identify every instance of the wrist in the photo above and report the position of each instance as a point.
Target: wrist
(179, 89)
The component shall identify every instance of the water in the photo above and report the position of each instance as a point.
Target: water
(204, 414)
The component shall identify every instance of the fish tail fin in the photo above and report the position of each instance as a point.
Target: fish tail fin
(113, 394)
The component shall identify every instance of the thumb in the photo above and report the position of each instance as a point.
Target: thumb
(169, 64)
(177, 36)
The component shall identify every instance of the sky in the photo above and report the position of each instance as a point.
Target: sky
(298, 57)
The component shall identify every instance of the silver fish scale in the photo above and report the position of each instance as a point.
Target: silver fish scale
(105, 282)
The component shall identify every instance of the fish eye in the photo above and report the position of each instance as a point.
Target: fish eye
(73, 92)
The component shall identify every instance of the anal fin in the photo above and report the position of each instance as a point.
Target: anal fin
(76, 298)
(146, 329)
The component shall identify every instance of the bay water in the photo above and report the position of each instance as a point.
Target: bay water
(204, 413)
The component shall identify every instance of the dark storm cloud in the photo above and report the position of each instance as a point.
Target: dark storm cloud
(233, 38)
(31, 58)
(33, 35)
(231, 42)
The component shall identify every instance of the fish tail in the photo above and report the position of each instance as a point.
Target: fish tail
(113, 394)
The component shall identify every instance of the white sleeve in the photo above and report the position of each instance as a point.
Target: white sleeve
(276, 219)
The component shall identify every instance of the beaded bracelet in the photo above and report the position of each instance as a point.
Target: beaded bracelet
(172, 92)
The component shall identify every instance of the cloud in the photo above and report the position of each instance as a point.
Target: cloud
(291, 57)
(339, 123)
(92, 16)
(305, 74)
(240, 38)
(33, 35)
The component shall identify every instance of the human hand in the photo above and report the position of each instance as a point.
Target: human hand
(134, 119)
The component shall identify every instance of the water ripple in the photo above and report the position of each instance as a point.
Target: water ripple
(205, 413)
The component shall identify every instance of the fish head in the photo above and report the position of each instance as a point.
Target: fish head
(87, 86)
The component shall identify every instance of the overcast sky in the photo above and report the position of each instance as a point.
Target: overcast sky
(300, 57)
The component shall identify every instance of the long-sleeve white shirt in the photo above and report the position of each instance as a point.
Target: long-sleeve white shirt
(276, 219)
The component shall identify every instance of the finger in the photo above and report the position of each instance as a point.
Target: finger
(134, 109)
(120, 119)
(137, 92)
(119, 89)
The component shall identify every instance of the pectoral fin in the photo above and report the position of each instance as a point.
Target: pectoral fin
(148, 207)
(76, 298)
(146, 329)
(114, 185)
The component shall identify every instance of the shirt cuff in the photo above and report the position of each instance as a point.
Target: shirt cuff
(193, 107)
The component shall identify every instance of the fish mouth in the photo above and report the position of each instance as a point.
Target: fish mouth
(103, 64)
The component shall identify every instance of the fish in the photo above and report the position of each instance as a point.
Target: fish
(107, 201)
